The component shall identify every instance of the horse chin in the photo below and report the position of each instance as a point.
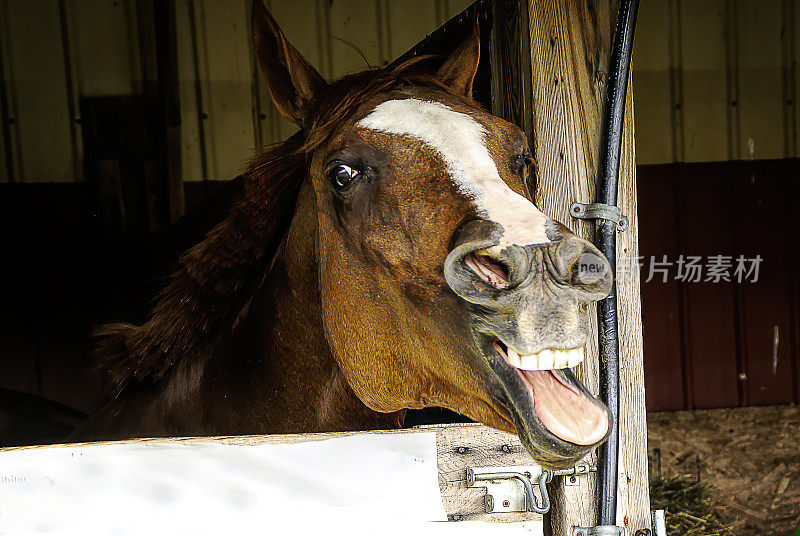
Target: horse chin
(557, 419)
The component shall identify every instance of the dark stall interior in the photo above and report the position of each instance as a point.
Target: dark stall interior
(147, 174)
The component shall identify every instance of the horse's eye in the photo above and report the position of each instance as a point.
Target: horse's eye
(340, 175)
(522, 161)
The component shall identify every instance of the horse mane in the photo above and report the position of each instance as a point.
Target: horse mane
(217, 280)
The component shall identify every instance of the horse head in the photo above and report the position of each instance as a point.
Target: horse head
(441, 282)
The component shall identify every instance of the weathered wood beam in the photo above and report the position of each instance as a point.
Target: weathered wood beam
(557, 95)
(511, 64)
(570, 49)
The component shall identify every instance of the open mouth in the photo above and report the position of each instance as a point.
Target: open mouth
(526, 298)
(562, 406)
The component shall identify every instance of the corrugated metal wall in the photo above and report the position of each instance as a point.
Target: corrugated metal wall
(715, 86)
(56, 51)
(715, 80)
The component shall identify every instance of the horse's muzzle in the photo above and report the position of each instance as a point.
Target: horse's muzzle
(528, 316)
(482, 272)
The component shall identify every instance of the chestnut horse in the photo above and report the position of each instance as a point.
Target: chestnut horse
(386, 257)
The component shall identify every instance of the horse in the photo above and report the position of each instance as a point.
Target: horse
(386, 257)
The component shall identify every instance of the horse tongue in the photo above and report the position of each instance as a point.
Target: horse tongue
(566, 413)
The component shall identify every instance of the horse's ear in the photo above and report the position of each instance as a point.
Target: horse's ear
(292, 80)
(458, 70)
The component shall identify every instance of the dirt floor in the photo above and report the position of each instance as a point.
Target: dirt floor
(750, 458)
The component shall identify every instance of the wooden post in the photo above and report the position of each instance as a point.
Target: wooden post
(570, 49)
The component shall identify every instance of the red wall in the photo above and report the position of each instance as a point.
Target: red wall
(60, 276)
(714, 344)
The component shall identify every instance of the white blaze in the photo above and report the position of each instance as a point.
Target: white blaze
(461, 143)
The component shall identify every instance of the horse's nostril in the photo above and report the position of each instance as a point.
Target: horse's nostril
(489, 269)
(590, 269)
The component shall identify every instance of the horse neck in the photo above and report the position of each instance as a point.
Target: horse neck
(302, 388)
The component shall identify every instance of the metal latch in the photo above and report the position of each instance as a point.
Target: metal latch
(511, 489)
(599, 530)
(571, 475)
(599, 211)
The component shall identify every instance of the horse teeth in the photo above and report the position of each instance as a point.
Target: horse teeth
(561, 359)
(576, 356)
(513, 358)
(529, 362)
(546, 359)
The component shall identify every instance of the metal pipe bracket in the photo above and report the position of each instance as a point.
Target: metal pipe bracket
(599, 211)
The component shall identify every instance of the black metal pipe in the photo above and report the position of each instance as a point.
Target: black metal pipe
(607, 242)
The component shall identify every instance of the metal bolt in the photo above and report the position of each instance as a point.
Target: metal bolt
(642, 532)
(462, 450)
(506, 503)
(456, 517)
(572, 479)
(204, 115)
(506, 448)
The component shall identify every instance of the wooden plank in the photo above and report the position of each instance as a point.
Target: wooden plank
(651, 77)
(353, 28)
(40, 122)
(706, 207)
(793, 38)
(454, 7)
(760, 79)
(633, 510)
(794, 289)
(229, 76)
(565, 162)
(732, 70)
(6, 151)
(11, 165)
(570, 48)
(704, 80)
(106, 47)
(661, 300)
(445, 39)
(484, 447)
(405, 22)
(162, 21)
(764, 194)
(788, 60)
(73, 90)
(510, 55)
(676, 79)
(193, 156)
(305, 26)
